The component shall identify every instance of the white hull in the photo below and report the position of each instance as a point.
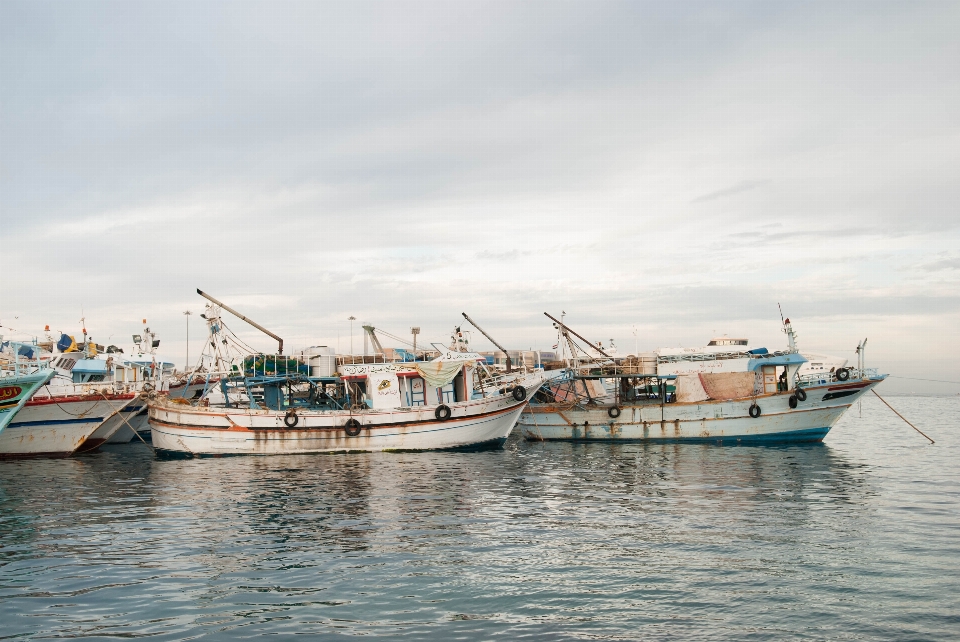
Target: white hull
(207, 431)
(705, 421)
(56, 426)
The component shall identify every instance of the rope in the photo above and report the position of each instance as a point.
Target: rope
(915, 379)
(901, 416)
(120, 411)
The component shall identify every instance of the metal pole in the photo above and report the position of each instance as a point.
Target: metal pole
(186, 365)
(474, 324)
(242, 318)
(351, 319)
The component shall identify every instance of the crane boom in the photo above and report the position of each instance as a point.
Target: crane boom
(564, 325)
(242, 318)
(502, 349)
(373, 337)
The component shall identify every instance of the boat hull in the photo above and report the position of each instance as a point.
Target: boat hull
(139, 422)
(723, 422)
(478, 424)
(56, 426)
(112, 425)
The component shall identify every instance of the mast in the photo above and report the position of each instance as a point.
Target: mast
(502, 349)
(243, 318)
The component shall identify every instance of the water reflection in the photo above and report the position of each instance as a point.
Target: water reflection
(537, 540)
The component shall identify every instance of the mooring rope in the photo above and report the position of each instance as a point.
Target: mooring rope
(901, 416)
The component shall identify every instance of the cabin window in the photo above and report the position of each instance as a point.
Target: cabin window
(416, 392)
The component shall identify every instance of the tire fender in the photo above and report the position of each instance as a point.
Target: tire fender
(352, 427)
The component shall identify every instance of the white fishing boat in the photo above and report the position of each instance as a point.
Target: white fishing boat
(435, 405)
(270, 404)
(764, 401)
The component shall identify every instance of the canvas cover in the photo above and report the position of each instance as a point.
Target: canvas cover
(690, 388)
(437, 374)
(729, 385)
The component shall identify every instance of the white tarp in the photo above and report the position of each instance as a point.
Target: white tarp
(437, 374)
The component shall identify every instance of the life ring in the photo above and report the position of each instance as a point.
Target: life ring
(801, 394)
(442, 413)
(613, 411)
(755, 410)
(352, 427)
(519, 393)
(291, 419)
(842, 374)
(793, 401)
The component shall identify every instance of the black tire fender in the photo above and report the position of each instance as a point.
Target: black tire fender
(519, 393)
(352, 427)
(801, 394)
(613, 411)
(755, 410)
(291, 419)
(842, 374)
(793, 401)
(442, 413)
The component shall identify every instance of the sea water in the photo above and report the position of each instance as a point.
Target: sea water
(854, 538)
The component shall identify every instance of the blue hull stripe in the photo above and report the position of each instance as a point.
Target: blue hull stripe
(795, 436)
(56, 422)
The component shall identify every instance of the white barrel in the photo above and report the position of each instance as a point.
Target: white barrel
(322, 361)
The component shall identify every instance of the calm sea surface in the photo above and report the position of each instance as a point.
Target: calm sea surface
(855, 538)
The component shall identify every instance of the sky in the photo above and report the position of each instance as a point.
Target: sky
(661, 172)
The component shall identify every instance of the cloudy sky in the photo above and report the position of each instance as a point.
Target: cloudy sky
(670, 169)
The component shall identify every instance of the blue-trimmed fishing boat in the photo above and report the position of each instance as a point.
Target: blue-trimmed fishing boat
(756, 397)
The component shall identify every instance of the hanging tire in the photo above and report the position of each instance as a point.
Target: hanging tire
(793, 401)
(801, 394)
(442, 413)
(519, 393)
(352, 428)
(755, 411)
(842, 374)
(291, 419)
(614, 412)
